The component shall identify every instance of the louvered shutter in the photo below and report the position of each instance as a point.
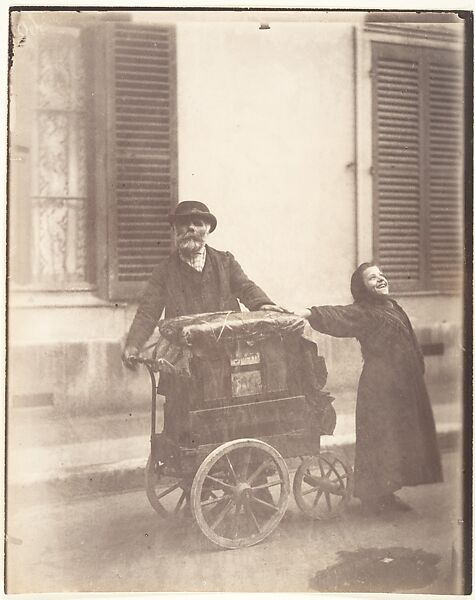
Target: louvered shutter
(396, 160)
(417, 157)
(141, 151)
(445, 169)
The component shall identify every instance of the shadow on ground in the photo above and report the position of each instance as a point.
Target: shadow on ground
(378, 570)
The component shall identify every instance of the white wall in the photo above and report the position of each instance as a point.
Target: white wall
(266, 134)
(266, 138)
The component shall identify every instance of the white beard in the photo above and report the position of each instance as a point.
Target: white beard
(190, 245)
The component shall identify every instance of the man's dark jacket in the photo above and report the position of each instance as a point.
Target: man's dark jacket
(181, 290)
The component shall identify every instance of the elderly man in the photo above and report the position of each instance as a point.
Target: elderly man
(194, 279)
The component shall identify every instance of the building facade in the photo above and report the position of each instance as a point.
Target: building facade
(319, 140)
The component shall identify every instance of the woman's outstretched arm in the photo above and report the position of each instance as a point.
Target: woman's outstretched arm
(340, 321)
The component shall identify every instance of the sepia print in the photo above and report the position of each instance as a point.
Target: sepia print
(237, 296)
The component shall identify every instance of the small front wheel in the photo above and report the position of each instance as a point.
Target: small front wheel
(168, 495)
(322, 486)
(240, 493)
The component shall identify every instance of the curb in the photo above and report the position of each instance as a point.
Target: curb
(129, 475)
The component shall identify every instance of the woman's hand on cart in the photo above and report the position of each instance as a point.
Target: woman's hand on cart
(302, 312)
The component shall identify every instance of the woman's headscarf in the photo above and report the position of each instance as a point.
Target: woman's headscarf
(357, 286)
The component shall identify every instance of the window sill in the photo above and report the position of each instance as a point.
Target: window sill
(30, 298)
(423, 293)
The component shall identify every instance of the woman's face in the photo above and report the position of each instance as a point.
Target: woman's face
(375, 282)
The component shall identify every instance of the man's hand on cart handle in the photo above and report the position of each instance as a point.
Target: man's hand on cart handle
(130, 356)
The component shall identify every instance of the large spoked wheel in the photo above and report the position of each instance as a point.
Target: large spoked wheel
(323, 486)
(168, 495)
(240, 493)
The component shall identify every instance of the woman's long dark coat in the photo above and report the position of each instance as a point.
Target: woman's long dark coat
(396, 443)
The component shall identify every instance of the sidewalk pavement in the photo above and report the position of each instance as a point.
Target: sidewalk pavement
(75, 456)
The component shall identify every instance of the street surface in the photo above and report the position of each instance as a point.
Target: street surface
(118, 543)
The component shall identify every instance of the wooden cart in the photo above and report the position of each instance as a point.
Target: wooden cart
(244, 391)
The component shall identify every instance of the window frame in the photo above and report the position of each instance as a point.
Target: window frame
(24, 151)
(101, 228)
(447, 38)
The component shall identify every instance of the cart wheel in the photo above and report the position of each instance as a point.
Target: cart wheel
(240, 493)
(322, 486)
(168, 495)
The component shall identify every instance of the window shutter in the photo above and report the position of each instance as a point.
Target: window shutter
(396, 163)
(139, 152)
(445, 170)
(417, 158)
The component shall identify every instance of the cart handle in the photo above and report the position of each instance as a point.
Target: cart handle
(150, 365)
(155, 364)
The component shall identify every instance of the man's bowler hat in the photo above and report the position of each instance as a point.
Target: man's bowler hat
(193, 209)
